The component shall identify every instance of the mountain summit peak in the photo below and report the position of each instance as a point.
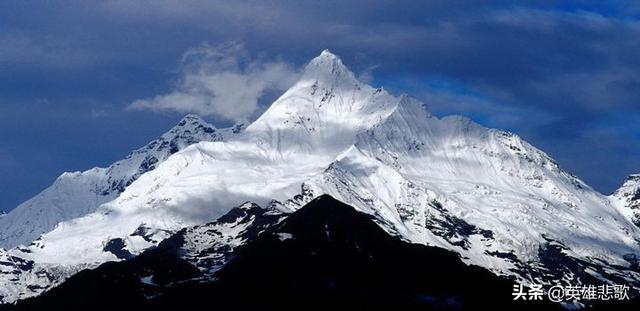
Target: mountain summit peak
(327, 53)
(628, 198)
(192, 119)
(324, 109)
(631, 183)
(633, 177)
(189, 125)
(328, 67)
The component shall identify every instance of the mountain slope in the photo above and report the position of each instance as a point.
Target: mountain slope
(423, 175)
(324, 255)
(79, 193)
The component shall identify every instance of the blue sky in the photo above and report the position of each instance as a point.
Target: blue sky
(565, 75)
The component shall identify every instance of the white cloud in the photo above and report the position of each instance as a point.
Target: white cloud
(221, 81)
(366, 76)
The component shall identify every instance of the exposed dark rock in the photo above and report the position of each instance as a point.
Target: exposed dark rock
(453, 229)
(117, 247)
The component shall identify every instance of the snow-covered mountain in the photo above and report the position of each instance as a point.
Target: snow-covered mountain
(206, 247)
(252, 258)
(627, 198)
(483, 193)
(79, 193)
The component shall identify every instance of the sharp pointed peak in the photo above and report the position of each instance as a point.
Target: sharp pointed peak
(326, 59)
(189, 118)
(190, 123)
(327, 54)
(327, 67)
(632, 179)
(630, 184)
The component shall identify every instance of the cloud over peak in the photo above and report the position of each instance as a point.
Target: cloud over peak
(221, 81)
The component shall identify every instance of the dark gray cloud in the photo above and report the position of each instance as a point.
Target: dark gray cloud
(563, 74)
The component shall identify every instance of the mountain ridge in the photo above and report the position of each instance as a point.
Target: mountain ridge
(75, 194)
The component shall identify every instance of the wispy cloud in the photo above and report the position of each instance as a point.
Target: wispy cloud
(221, 81)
